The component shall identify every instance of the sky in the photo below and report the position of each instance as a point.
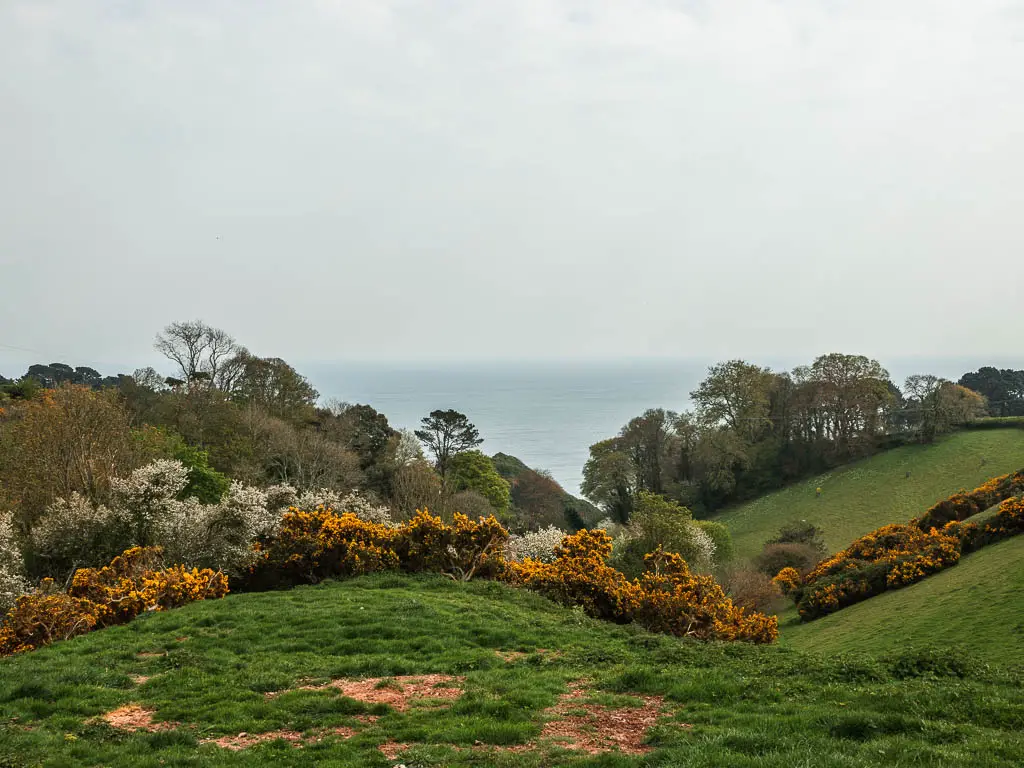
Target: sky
(512, 179)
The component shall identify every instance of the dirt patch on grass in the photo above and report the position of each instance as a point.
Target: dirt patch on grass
(392, 749)
(139, 679)
(132, 717)
(593, 728)
(510, 657)
(295, 738)
(397, 692)
(245, 740)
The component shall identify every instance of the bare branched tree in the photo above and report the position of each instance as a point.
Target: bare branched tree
(202, 353)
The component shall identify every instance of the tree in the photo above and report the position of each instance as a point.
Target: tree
(202, 353)
(938, 405)
(473, 471)
(647, 439)
(69, 440)
(609, 479)
(447, 433)
(736, 394)
(415, 486)
(1003, 388)
(272, 384)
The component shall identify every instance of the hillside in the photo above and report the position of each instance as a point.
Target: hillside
(860, 497)
(423, 671)
(977, 604)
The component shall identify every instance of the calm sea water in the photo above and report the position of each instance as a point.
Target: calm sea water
(548, 414)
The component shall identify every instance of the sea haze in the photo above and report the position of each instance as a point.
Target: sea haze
(549, 413)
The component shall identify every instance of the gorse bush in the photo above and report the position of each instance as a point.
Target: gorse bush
(897, 555)
(133, 583)
(891, 557)
(311, 546)
(667, 597)
(966, 504)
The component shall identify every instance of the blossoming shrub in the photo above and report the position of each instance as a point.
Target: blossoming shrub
(788, 580)
(668, 597)
(312, 546)
(133, 583)
(539, 545)
(897, 555)
(965, 504)
(145, 509)
(12, 581)
(1007, 521)
(890, 557)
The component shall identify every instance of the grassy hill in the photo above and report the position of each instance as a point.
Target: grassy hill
(515, 676)
(978, 604)
(859, 497)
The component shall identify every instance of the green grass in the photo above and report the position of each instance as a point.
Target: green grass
(747, 706)
(859, 497)
(978, 604)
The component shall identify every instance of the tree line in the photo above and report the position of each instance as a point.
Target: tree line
(753, 429)
(228, 414)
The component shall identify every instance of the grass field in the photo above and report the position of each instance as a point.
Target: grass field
(238, 666)
(978, 604)
(858, 498)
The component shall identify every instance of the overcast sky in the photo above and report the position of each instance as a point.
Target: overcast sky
(459, 179)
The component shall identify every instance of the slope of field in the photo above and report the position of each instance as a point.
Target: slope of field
(860, 497)
(977, 604)
(281, 679)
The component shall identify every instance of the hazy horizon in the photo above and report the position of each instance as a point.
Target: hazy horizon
(522, 179)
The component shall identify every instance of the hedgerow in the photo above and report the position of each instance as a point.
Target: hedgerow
(895, 556)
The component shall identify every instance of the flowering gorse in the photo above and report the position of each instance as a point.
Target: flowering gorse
(133, 583)
(668, 596)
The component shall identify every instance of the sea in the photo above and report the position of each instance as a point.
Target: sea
(549, 413)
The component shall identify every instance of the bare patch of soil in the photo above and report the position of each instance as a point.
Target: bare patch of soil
(397, 692)
(139, 679)
(150, 654)
(392, 749)
(593, 728)
(245, 740)
(510, 657)
(134, 718)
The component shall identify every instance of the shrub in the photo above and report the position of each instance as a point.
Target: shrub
(751, 589)
(890, 557)
(965, 504)
(134, 582)
(311, 546)
(801, 532)
(537, 545)
(145, 511)
(12, 581)
(721, 538)
(787, 580)
(774, 557)
(676, 601)
(660, 523)
(668, 597)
